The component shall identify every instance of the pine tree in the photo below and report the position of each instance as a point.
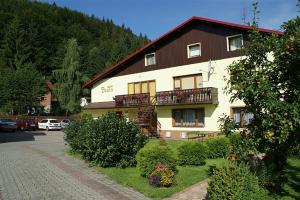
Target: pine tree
(15, 49)
(67, 87)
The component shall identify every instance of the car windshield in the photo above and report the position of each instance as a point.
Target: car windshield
(53, 121)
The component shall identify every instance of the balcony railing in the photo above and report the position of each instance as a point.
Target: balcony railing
(131, 100)
(189, 96)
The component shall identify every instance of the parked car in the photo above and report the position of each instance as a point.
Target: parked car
(8, 125)
(26, 124)
(64, 123)
(49, 124)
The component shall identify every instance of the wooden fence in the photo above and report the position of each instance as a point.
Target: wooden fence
(35, 118)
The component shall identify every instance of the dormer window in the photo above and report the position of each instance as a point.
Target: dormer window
(150, 59)
(234, 42)
(194, 50)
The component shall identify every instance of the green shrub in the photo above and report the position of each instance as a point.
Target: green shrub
(162, 176)
(227, 126)
(148, 157)
(235, 182)
(217, 148)
(74, 136)
(295, 151)
(192, 153)
(241, 147)
(109, 141)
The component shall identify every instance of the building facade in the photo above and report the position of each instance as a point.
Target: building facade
(175, 85)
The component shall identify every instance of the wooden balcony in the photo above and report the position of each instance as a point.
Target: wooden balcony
(132, 100)
(207, 95)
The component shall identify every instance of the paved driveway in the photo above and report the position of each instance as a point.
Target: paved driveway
(33, 165)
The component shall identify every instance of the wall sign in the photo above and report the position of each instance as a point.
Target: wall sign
(106, 89)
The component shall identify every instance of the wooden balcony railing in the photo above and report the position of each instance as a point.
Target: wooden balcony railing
(132, 100)
(190, 96)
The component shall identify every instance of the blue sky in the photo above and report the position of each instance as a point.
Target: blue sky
(155, 17)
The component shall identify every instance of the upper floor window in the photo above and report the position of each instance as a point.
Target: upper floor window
(188, 82)
(150, 59)
(234, 42)
(142, 87)
(194, 50)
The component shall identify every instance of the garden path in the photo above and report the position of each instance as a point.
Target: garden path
(197, 191)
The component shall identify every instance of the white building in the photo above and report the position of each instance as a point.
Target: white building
(174, 86)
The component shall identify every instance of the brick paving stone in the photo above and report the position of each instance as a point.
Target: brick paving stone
(197, 191)
(39, 169)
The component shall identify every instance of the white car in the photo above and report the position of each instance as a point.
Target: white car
(49, 124)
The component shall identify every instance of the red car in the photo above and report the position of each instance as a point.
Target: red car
(26, 124)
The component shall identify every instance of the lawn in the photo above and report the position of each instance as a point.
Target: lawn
(291, 189)
(190, 175)
(186, 176)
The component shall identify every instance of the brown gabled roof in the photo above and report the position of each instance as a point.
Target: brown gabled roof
(89, 83)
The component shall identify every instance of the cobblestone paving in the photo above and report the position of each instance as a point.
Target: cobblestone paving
(197, 191)
(38, 169)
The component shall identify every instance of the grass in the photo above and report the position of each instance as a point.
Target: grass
(186, 176)
(190, 175)
(291, 189)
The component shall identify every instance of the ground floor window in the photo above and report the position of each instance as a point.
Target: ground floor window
(240, 117)
(188, 117)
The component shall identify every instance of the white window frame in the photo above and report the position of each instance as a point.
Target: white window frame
(146, 64)
(232, 36)
(188, 50)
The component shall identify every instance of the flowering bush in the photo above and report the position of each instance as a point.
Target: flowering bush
(148, 157)
(162, 176)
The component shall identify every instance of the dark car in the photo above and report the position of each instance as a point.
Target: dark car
(65, 123)
(26, 124)
(8, 125)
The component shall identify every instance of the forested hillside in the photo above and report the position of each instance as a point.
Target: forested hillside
(41, 42)
(37, 32)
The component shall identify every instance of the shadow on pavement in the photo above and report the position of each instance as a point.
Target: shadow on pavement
(18, 136)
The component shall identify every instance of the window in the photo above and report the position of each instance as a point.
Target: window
(150, 59)
(234, 42)
(188, 82)
(142, 87)
(188, 118)
(194, 50)
(240, 117)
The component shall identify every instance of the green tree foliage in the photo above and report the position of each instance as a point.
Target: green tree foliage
(267, 80)
(34, 33)
(21, 89)
(40, 31)
(67, 87)
(15, 48)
